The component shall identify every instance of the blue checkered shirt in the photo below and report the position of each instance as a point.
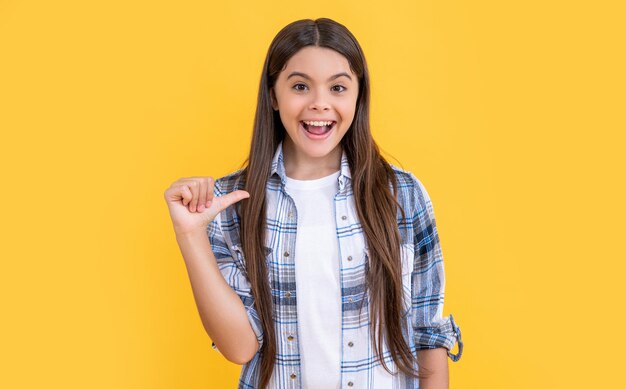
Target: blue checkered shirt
(422, 276)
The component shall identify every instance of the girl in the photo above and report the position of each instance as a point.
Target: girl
(317, 265)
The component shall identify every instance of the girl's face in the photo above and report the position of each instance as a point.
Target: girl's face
(316, 96)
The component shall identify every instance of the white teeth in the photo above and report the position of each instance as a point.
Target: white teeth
(318, 124)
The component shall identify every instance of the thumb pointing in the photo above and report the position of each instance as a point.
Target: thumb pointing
(231, 198)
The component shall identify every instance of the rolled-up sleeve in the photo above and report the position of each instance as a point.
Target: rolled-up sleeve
(430, 328)
(231, 264)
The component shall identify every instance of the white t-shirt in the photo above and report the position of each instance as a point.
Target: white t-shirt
(318, 286)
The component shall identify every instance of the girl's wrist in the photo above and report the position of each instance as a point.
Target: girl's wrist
(195, 235)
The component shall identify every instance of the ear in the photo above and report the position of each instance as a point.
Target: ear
(273, 98)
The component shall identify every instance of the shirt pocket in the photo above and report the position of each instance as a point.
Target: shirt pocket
(240, 260)
(407, 258)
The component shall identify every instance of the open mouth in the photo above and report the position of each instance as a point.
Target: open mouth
(318, 128)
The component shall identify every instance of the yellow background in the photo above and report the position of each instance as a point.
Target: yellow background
(511, 114)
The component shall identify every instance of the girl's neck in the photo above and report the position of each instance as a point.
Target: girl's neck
(302, 167)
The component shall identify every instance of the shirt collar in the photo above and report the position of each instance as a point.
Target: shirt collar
(278, 166)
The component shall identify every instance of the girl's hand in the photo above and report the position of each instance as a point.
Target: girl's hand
(192, 205)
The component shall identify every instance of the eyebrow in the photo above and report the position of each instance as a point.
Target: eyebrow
(293, 74)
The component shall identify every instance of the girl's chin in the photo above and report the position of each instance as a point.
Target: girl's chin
(316, 151)
(311, 148)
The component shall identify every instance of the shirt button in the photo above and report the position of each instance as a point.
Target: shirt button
(290, 214)
(349, 258)
(349, 299)
(286, 253)
(350, 344)
(293, 376)
(290, 338)
(288, 294)
(344, 217)
(350, 383)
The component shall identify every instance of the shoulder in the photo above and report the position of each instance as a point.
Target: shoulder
(411, 191)
(230, 182)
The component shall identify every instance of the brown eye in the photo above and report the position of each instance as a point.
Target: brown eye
(339, 86)
(299, 87)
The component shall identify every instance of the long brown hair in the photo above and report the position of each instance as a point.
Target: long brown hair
(376, 205)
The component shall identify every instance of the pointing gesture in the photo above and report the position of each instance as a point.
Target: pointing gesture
(192, 205)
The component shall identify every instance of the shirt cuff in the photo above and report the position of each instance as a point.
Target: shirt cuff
(255, 322)
(444, 335)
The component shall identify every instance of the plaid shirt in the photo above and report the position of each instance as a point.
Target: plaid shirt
(422, 276)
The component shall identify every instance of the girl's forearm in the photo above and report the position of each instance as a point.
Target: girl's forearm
(434, 364)
(222, 312)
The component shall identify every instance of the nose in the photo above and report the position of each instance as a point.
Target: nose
(319, 102)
